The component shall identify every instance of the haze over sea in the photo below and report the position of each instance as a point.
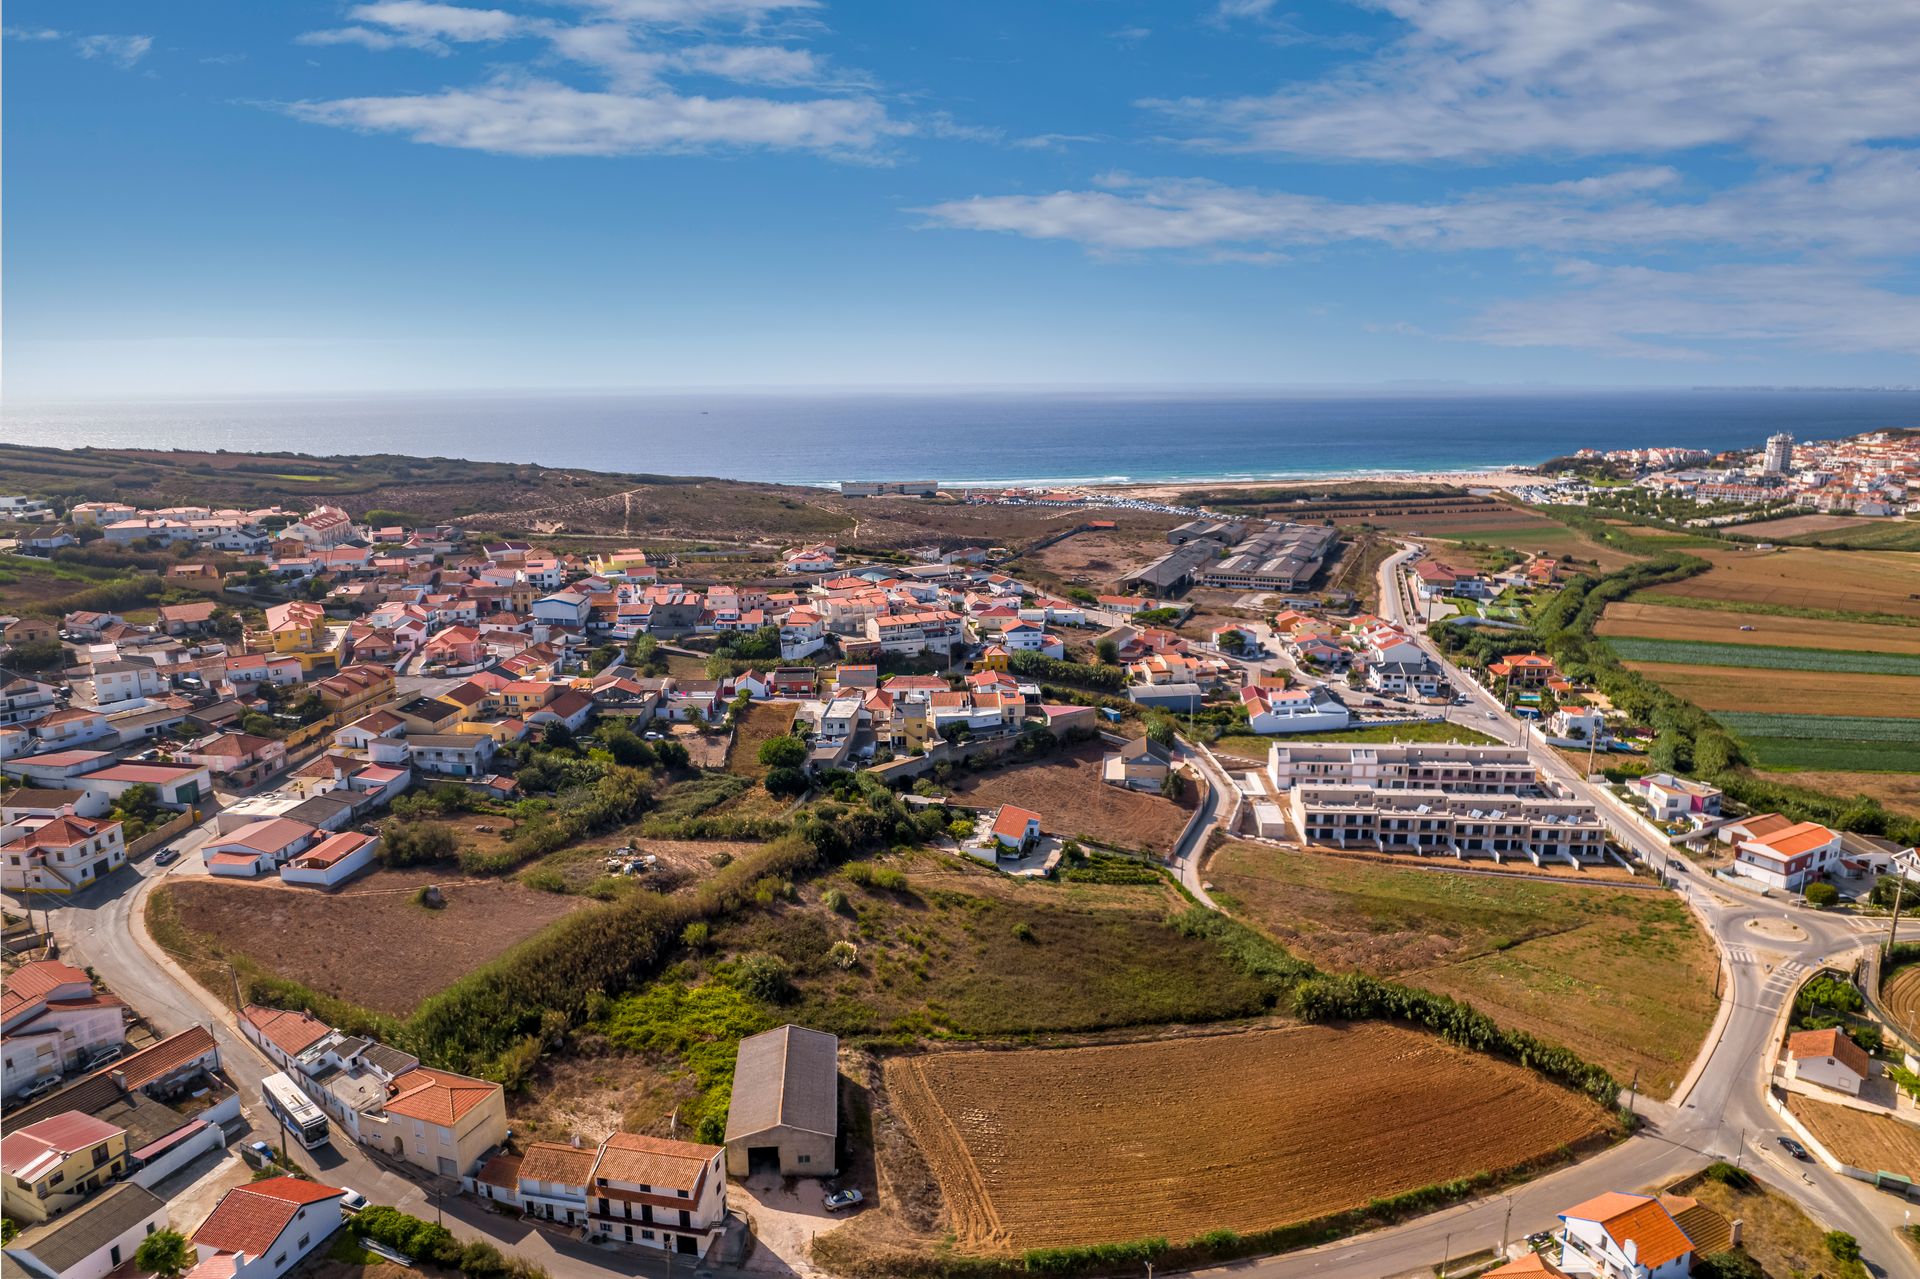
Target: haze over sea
(954, 437)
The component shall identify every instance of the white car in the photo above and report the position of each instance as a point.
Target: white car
(352, 1202)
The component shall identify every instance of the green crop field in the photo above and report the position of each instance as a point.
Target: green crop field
(1892, 535)
(1768, 657)
(1840, 743)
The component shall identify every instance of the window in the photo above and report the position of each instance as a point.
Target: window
(113, 1254)
(804, 1159)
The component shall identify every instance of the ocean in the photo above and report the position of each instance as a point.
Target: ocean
(986, 436)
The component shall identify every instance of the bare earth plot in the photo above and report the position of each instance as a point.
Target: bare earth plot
(1622, 976)
(1666, 621)
(1067, 792)
(1900, 994)
(1795, 525)
(1732, 688)
(1803, 577)
(1873, 1142)
(762, 721)
(325, 940)
(1246, 1132)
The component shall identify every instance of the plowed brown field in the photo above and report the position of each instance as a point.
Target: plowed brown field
(1753, 688)
(1900, 995)
(1668, 622)
(1803, 577)
(1877, 1143)
(1248, 1131)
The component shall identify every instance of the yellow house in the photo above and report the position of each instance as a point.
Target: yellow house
(57, 1163)
(359, 685)
(297, 629)
(500, 730)
(993, 659)
(915, 726)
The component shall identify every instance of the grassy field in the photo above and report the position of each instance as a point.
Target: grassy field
(1804, 577)
(761, 722)
(1621, 976)
(1857, 532)
(1252, 746)
(1641, 619)
(319, 939)
(1839, 743)
(1774, 1230)
(962, 951)
(1730, 688)
(1764, 657)
(1537, 534)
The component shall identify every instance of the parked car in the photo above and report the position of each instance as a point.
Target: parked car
(352, 1202)
(104, 1056)
(258, 1154)
(1794, 1148)
(838, 1199)
(39, 1087)
(166, 857)
(1493, 715)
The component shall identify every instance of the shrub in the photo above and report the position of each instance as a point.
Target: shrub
(786, 782)
(1733, 1264)
(1727, 1175)
(843, 954)
(960, 829)
(1822, 896)
(1023, 931)
(783, 752)
(695, 934)
(1842, 1246)
(834, 900)
(414, 843)
(764, 977)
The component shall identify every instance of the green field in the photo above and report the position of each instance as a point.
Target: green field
(1620, 975)
(1838, 743)
(1768, 657)
(1776, 610)
(1254, 746)
(1889, 535)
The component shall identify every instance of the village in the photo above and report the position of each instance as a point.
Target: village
(319, 711)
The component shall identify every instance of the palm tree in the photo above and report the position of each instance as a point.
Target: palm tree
(166, 1253)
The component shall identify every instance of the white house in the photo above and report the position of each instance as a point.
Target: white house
(267, 1228)
(72, 727)
(1673, 797)
(652, 1192)
(552, 1181)
(562, 608)
(92, 1240)
(55, 1020)
(123, 681)
(258, 848)
(1623, 1236)
(1828, 1058)
(58, 853)
(1015, 828)
(333, 860)
(174, 786)
(1298, 710)
(1789, 859)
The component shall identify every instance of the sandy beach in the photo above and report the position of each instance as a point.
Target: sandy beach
(1171, 490)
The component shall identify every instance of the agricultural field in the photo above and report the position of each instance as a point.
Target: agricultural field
(1066, 790)
(1791, 526)
(1642, 619)
(1874, 1142)
(1804, 578)
(954, 949)
(1058, 1147)
(761, 722)
(1622, 976)
(1809, 692)
(1900, 994)
(320, 939)
(1537, 535)
(1763, 657)
(1836, 743)
(1860, 532)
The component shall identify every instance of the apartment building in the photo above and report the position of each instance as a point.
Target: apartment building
(1442, 766)
(656, 1193)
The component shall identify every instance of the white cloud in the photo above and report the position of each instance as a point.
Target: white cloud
(1479, 79)
(1131, 35)
(440, 21)
(752, 64)
(32, 33)
(368, 38)
(123, 51)
(1651, 314)
(694, 13)
(546, 119)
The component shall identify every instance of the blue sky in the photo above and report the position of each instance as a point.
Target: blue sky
(244, 198)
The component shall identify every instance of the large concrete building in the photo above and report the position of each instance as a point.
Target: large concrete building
(1779, 455)
(785, 1112)
(1223, 553)
(1433, 799)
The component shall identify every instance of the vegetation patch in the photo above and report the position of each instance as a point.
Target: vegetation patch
(1765, 657)
(1620, 975)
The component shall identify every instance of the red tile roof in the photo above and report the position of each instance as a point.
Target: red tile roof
(162, 1058)
(1656, 1236)
(438, 1096)
(291, 1032)
(1012, 822)
(1829, 1043)
(249, 1219)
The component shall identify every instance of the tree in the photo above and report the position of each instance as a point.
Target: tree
(1842, 1246)
(37, 655)
(1822, 895)
(1160, 728)
(557, 737)
(1174, 785)
(785, 781)
(1107, 652)
(671, 754)
(783, 752)
(1233, 642)
(164, 1252)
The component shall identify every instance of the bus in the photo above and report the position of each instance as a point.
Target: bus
(297, 1112)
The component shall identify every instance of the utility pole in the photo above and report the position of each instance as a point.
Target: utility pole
(1504, 1225)
(1899, 891)
(1446, 1254)
(234, 976)
(1633, 1091)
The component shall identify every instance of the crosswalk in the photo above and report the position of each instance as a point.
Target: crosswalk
(1785, 977)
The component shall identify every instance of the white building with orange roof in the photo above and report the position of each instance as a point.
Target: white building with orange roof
(440, 1121)
(1788, 858)
(1623, 1236)
(53, 1019)
(59, 853)
(1828, 1058)
(263, 1230)
(653, 1192)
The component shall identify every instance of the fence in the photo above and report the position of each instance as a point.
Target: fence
(159, 835)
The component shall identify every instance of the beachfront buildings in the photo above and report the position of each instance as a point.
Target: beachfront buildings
(1433, 799)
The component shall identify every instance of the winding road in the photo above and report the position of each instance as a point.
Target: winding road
(1719, 1112)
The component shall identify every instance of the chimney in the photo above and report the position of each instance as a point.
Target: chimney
(1733, 1237)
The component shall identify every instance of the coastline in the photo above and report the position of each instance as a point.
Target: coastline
(1506, 477)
